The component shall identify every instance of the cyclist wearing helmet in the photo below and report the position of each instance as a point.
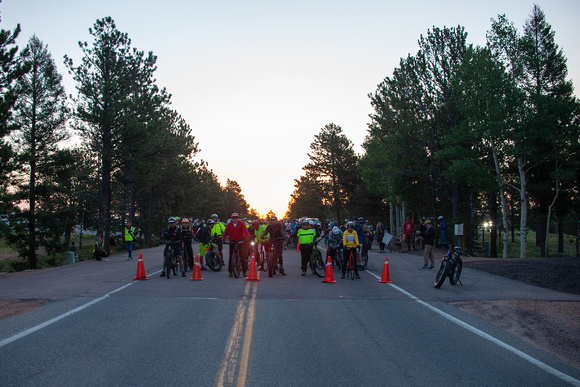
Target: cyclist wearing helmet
(217, 232)
(334, 242)
(351, 244)
(236, 231)
(275, 233)
(306, 237)
(173, 234)
(187, 237)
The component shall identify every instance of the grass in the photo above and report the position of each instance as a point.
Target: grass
(532, 249)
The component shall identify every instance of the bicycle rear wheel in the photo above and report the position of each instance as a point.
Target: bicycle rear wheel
(442, 273)
(365, 257)
(168, 262)
(271, 264)
(454, 276)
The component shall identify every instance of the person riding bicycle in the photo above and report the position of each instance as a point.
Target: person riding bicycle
(172, 234)
(187, 238)
(276, 234)
(351, 244)
(216, 233)
(236, 231)
(306, 236)
(334, 243)
(205, 239)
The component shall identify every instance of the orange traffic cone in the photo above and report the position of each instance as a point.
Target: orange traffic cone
(253, 274)
(196, 276)
(140, 269)
(386, 273)
(328, 276)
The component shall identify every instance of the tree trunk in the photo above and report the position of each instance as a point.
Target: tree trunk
(523, 210)
(150, 219)
(493, 230)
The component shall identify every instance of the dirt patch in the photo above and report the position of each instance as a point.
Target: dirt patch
(10, 308)
(551, 325)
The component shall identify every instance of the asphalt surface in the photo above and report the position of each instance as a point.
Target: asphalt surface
(102, 328)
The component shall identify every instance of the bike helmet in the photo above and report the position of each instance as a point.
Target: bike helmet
(235, 215)
(273, 218)
(360, 220)
(210, 221)
(349, 224)
(355, 218)
(305, 221)
(185, 220)
(171, 220)
(336, 230)
(214, 216)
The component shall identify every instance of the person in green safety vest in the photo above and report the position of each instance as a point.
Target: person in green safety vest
(129, 239)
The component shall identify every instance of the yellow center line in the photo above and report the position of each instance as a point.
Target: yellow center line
(233, 356)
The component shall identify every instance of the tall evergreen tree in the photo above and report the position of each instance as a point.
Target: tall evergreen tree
(106, 80)
(40, 114)
(11, 69)
(334, 163)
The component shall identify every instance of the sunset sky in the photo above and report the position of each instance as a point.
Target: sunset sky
(256, 80)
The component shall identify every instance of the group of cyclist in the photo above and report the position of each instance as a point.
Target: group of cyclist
(268, 235)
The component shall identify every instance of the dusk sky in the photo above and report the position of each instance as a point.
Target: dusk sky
(256, 80)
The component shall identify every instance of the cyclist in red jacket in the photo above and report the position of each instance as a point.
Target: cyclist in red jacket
(237, 232)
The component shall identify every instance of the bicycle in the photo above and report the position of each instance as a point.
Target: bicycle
(365, 255)
(350, 272)
(317, 264)
(170, 259)
(272, 258)
(236, 258)
(212, 258)
(451, 267)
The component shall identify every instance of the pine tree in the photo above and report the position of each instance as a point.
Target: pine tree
(40, 114)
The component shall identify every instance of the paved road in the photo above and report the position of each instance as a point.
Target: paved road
(103, 328)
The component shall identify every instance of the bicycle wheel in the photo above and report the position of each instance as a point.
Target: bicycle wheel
(271, 264)
(365, 257)
(237, 265)
(320, 261)
(212, 260)
(351, 263)
(174, 264)
(168, 261)
(442, 274)
(454, 276)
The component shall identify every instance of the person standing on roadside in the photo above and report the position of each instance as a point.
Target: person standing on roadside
(443, 227)
(409, 231)
(429, 235)
(129, 239)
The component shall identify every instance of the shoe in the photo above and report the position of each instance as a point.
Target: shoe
(282, 272)
(423, 268)
(431, 268)
(303, 273)
(342, 276)
(357, 276)
(129, 259)
(183, 273)
(162, 274)
(245, 274)
(203, 268)
(230, 275)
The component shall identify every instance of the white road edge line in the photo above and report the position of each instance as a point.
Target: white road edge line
(58, 318)
(486, 336)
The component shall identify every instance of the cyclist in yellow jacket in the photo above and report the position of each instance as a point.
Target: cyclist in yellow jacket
(216, 232)
(350, 242)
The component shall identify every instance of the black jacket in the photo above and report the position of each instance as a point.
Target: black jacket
(429, 236)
